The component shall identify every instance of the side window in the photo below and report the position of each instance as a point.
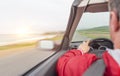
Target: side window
(92, 25)
(29, 21)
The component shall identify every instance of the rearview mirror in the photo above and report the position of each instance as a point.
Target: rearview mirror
(45, 44)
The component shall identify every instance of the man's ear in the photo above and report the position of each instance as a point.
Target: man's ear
(114, 21)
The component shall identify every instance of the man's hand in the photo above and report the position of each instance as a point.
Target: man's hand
(84, 47)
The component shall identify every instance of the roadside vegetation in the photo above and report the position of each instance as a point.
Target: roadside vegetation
(98, 32)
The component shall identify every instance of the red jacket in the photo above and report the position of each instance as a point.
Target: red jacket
(73, 63)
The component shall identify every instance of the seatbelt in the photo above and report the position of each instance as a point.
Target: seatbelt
(96, 69)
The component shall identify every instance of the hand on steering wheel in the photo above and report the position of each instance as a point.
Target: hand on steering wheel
(84, 47)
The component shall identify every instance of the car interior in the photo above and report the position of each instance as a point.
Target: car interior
(97, 46)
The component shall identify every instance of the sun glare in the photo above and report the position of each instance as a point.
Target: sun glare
(23, 31)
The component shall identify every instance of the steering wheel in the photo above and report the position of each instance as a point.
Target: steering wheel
(100, 44)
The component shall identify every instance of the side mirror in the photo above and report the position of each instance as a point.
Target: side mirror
(45, 45)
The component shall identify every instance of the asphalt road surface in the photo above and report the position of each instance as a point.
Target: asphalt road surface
(18, 61)
(78, 37)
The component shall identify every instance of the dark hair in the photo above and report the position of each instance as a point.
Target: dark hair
(115, 5)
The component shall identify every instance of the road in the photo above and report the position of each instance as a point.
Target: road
(78, 37)
(18, 61)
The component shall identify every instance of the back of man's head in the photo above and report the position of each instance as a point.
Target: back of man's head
(114, 6)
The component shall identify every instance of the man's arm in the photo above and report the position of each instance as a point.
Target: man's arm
(62, 61)
(83, 48)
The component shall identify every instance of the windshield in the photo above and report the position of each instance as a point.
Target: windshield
(23, 25)
(91, 26)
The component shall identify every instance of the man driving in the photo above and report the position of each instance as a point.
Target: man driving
(76, 62)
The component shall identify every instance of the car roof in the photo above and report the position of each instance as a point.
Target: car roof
(92, 5)
(89, 2)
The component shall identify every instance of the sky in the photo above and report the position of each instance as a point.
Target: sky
(38, 16)
(91, 20)
(33, 16)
